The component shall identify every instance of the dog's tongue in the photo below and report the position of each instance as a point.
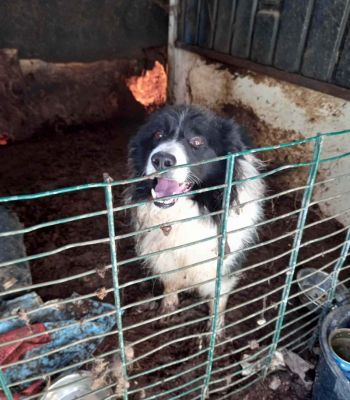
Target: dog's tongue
(167, 187)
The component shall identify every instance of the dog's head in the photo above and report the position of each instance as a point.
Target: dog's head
(180, 135)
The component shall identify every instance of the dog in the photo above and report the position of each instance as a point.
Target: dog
(177, 135)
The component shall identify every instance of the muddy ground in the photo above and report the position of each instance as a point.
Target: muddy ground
(58, 160)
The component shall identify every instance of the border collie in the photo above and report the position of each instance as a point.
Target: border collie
(186, 134)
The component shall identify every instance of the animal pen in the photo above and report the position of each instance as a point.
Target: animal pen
(90, 304)
(265, 314)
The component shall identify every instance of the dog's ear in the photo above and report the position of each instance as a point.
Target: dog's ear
(133, 167)
(138, 152)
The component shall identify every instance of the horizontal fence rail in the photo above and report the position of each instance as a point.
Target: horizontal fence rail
(185, 352)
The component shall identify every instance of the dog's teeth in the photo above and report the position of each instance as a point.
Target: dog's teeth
(153, 192)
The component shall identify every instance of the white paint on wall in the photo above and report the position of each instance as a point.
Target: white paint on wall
(280, 105)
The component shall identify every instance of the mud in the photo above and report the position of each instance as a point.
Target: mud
(60, 160)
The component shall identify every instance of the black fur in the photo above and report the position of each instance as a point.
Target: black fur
(222, 136)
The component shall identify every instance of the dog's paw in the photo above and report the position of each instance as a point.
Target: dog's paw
(220, 329)
(169, 304)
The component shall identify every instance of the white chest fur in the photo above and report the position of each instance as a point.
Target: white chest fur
(189, 262)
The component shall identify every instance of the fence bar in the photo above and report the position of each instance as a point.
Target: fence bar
(4, 386)
(337, 268)
(295, 250)
(230, 164)
(113, 250)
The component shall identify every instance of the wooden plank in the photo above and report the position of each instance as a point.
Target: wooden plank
(244, 64)
(265, 35)
(342, 74)
(326, 30)
(190, 21)
(224, 24)
(207, 20)
(243, 27)
(294, 24)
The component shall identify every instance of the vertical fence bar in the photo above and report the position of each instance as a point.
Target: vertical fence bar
(113, 250)
(295, 249)
(337, 268)
(4, 387)
(230, 164)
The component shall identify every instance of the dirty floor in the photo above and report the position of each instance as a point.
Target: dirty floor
(64, 159)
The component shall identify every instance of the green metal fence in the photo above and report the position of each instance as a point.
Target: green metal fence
(213, 368)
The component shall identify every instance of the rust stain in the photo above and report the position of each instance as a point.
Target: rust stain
(316, 105)
(150, 88)
(262, 134)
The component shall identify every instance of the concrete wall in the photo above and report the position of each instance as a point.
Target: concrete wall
(278, 112)
(82, 30)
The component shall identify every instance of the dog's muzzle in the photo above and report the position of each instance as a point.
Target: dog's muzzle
(165, 187)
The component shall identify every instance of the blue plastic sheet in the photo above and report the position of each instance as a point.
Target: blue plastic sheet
(59, 316)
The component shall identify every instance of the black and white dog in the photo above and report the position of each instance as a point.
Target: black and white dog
(181, 135)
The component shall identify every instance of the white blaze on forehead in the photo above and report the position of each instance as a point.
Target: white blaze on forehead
(178, 151)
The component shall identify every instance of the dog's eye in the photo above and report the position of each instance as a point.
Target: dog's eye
(197, 141)
(158, 135)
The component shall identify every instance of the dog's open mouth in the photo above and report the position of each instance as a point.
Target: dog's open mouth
(164, 187)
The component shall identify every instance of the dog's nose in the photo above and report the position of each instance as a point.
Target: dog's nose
(162, 160)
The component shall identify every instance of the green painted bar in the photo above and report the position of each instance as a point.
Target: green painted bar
(4, 387)
(230, 165)
(295, 249)
(110, 211)
(113, 251)
(337, 268)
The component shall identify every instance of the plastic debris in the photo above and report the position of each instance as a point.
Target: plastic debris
(111, 372)
(298, 366)
(16, 275)
(253, 344)
(261, 321)
(4, 138)
(275, 383)
(254, 365)
(68, 318)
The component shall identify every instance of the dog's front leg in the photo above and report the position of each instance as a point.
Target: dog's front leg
(221, 316)
(171, 300)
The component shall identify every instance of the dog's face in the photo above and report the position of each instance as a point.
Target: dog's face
(180, 135)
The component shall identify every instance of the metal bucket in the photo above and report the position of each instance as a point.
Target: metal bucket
(73, 386)
(330, 382)
(339, 343)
